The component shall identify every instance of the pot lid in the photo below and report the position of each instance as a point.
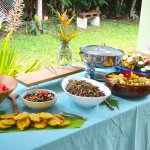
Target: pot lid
(101, 50)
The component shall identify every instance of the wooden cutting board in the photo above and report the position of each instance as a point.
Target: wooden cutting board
(44, 75)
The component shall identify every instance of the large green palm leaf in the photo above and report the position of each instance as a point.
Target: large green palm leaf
(9, 60)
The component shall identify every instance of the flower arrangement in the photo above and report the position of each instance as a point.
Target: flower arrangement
(136, 61)
(65, 33)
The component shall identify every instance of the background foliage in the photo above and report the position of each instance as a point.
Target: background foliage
(110, 8)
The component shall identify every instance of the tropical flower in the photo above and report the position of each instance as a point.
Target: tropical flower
(143, 69)
(66, 34)
(64, 19)
(127, 74)
(131, 75)
(134, 76)
(140, 62)
(147, 68)
(129, 59)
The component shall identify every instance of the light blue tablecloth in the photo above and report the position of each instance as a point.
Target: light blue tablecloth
(125, 129)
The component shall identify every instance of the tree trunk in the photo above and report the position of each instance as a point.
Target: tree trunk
(39, 9)
(132, 7)
(30, 8)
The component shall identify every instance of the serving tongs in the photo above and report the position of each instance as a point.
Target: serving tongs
(66, 114)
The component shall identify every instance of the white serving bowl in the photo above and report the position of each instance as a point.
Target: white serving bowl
(39, 105)
(86, 101)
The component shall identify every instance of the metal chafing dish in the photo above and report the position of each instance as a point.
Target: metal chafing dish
(99, 56)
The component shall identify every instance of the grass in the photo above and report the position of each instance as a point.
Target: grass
(119, 34)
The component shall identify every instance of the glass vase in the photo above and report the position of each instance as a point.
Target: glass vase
(64, 54)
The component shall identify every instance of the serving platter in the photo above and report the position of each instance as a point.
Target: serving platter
(121, 68)
(44, 75)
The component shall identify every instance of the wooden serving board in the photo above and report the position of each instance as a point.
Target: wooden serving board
(44, 75)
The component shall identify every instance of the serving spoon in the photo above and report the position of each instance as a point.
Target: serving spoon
(109, 105)
(13, 95)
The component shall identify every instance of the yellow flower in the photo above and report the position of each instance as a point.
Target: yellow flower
(64, 19)
(67, 22)
(134, 76)
(66, 34)
(63, 35)
(72, 34)
(129, 54)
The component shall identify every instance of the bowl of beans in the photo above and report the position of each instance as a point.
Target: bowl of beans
(39, 98)
(85, 92)
(128, 84)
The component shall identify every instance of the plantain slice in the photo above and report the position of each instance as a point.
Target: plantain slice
(59, 116)
(44, 115)
(4, 126)
(64, 123)
(35, 117)
(8, 121)
(55, 121)
(7, 116)
(22, 124)
(21, 116)
(40, 125)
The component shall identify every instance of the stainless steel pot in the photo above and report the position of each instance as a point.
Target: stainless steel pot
(100, 56)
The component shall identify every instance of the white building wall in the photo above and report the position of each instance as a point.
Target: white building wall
(144, 28)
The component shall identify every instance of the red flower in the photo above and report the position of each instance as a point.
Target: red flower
(40, 28)
(134, 59)
(127, 74)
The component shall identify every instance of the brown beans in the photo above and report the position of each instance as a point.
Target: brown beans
(83, 88)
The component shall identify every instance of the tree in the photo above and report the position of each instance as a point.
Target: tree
(132, 7)
(39, 9)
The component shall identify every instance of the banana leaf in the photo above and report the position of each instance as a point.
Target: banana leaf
(74, 123)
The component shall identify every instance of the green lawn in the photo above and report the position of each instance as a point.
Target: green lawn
(119, 34)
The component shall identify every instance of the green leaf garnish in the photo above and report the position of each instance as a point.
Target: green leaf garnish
(112, 101)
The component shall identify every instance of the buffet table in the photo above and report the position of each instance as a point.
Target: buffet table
(125, 129)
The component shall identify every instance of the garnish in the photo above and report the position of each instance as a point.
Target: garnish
(132, 75)
(112, 101)
(127, 74)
